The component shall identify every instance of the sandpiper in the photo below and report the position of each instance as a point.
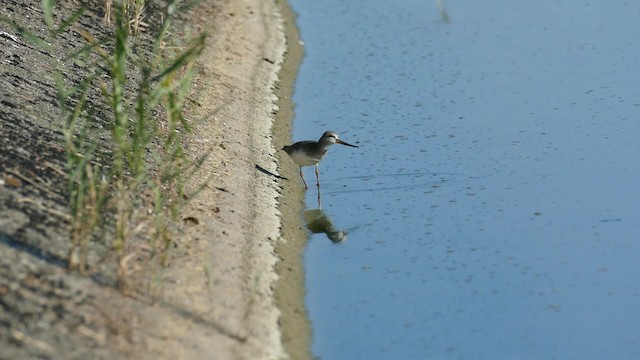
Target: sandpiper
(307, 153)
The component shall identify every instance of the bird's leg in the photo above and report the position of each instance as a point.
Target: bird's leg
(302, 176)
(318, 184)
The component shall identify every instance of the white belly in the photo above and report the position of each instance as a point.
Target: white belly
(302, 159)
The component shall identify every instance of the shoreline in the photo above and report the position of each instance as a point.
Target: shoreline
(290, 288)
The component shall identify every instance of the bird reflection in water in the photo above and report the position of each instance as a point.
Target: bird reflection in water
(318, 222)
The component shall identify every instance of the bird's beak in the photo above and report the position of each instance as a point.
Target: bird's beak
(344, 143)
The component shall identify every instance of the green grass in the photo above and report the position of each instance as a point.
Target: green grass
(149, 154)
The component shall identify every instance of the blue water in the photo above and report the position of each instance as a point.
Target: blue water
(491, 211)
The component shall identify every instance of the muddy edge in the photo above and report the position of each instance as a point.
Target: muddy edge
(290, 289)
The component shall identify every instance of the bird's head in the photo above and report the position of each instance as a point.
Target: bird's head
(330, 138)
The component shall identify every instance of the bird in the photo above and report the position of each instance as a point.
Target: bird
(309, 152)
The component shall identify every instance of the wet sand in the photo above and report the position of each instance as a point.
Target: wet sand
(290, 290)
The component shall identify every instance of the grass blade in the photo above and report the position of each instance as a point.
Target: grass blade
(47, 9)
(186, 57)
(69, 21)
(27, 34)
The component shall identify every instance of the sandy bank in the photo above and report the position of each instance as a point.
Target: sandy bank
(242, 230)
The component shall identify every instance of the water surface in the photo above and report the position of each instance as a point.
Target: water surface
(491, 211)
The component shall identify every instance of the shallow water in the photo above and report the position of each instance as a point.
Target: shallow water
(491, 210)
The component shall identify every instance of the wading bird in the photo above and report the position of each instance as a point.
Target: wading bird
(307, 153)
